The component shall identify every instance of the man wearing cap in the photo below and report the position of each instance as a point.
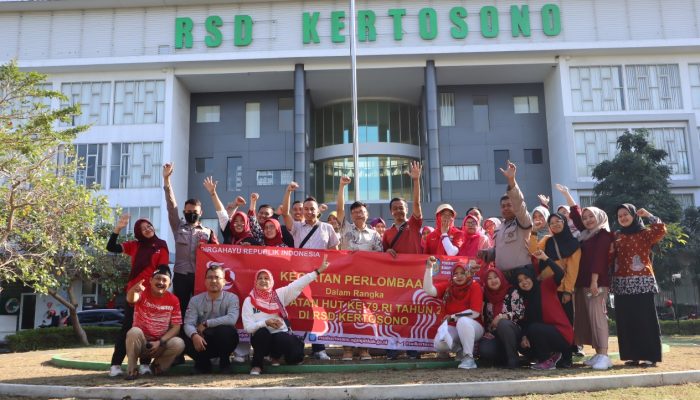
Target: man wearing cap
(445, 239)
(210, 323)
(157, 321)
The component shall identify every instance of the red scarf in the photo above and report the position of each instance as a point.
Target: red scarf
(472, 242)
(455, 291)
(495, 297)
(237, 238)
(266, 300)
(277, 240)
(146, 249)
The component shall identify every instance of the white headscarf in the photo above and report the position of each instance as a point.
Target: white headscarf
(601, 219)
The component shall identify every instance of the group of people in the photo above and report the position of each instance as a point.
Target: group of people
(533, 287)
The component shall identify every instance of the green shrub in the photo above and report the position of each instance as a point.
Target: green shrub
(685, 327)
(56, 338)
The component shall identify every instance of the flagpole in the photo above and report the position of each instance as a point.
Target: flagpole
(353, 70)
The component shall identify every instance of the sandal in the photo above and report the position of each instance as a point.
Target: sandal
(632, 363)
(131, 375)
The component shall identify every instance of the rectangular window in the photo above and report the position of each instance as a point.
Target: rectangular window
(654, 87)
(208, 114)
(596, 145)
(139, 102)
(274, 177)
(447, 109)
(500, 158)
(285, 117)
(136, 165)
(92, 164)
(94, 99)
(481, 114)
(596, 88)
(460, 172)
(150, 213)
(694, 70)
(234, 174)
(526, 104)
(686, 200)
(586, 201)
(533, 156)
(204, 165)
(252, 120)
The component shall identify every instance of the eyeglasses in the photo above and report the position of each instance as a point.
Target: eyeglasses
(214, 278)
(556, 222)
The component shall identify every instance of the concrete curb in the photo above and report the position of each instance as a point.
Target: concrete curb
(422, 391)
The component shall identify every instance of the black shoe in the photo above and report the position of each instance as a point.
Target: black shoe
(513, 364)
(179, 360)
(564, 363)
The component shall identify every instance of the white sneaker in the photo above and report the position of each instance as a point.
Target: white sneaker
(115, 370)
(592, 360)
(322, 355)
(255, 371)
(467, 363)
(144, 369)
(602, 363)
(238, 359)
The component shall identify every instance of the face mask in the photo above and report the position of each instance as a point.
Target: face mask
(191, 218)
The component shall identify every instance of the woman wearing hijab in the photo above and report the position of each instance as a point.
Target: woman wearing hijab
(463, 301)
(272, 233)
(424, 232)
(540, 215)
(446, 238)
(473, 239)
(565, 210)
(503, 310)
(147, 252)
(547, 332)
(378, 225)
(593, 281)
(563, 248)
(490, 226)
(265, 318)
(634, 286)
(238, 231)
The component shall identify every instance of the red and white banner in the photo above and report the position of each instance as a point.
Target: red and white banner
(364, 299)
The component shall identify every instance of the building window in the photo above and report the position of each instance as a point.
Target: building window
(92, 164)
(150, 213)
(252, 120)
(500, 158)
(686, 200)
(204, 165)
(93, 98)
(447, 109)
(596, 145)
(136, 165)
(654, 87)
(285, 117)
(533, 156)
(274, 177)
(694, 70)
(378, 122)
(381, 178)
(460, 172)
(208, 114)
(139, 102)
(597, 88)
(481, 114)
(526, 104)
(586, 201)
(234, 174)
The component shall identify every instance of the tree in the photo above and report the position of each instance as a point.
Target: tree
(49, 232)
(636, 175)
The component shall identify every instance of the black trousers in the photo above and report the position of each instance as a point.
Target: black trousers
(569, 311)
(119, 353)
(183, 287)
(221, 341)
(503, 348)
(276, 345)
(545, 339)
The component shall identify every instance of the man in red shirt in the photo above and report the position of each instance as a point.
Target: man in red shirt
(404, 235)
(157, 321)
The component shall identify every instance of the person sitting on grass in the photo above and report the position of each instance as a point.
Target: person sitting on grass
(265, 319)
(463, 300)
(156, 326)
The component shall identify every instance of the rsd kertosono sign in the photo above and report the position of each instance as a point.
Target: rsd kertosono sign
(428, 20)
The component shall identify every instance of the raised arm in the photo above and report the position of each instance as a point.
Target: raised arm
(112, 244)
(210, 185)
(170, 202)
(516, 197)
(340, 199)
(287, 205)
(565, 192)
(415, 174)
(428, 277)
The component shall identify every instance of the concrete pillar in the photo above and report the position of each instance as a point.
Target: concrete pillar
(300, 128)
(432, 167)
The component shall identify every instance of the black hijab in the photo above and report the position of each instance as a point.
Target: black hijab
(565, 240)
(533, 297)
(637, 224)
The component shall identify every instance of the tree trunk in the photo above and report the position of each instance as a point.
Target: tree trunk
(72, 312)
